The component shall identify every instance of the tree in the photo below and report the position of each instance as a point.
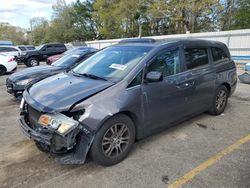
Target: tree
(85, 28)
(12, 33)
(39, 28)
(241, 15)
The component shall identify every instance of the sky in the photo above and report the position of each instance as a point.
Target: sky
(19, 12)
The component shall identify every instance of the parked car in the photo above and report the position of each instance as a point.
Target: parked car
(17, 82)
(7, 64)
(124, 93)
(6, 43)
(33, 57)
(10, 51)
(26, 47)
(53, 58)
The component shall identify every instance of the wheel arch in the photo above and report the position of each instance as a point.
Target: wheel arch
(129, 114)
(5, 68)
(33, 56)
(227, 85)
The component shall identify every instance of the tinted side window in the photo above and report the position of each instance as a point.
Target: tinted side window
(7, 49)
(2, 49)
(49, 48)
(137, 80)
(218, 54)
(196, 57)
(166, 62)
(12, 50)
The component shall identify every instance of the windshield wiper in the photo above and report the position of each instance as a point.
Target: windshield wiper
(93, 76)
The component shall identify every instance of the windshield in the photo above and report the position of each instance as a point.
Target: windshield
(112, 63)
(66, 61)
(40, 47)
(22, 48)
(69, 51)
(30, 48)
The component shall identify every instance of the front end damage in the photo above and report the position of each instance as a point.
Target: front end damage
(65, 138)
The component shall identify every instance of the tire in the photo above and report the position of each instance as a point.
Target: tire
(219, 101)
(3, 70)
(107, 142)
(33, 61)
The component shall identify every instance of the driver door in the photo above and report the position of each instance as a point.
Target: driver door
(165, 100)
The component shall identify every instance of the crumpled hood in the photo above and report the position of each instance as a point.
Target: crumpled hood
(60, 92)
(35, 72)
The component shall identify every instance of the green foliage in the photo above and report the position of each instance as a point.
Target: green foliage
(14, 34)
(241, 16)
(105, 19)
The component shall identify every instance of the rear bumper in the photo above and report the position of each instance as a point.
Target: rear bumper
(11, 66)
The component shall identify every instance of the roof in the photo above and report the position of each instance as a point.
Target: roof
(138, 40)
(198, 42)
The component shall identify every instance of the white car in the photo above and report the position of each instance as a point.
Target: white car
(7, 64)
(10, 50)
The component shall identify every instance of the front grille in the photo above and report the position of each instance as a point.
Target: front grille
(33, 116)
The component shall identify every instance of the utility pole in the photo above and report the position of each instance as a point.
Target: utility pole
(140, 30)
(31, 33)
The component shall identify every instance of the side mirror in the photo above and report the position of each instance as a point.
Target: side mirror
(154, 76)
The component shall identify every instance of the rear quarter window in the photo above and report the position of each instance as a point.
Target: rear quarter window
(218, 54)
(196, 57)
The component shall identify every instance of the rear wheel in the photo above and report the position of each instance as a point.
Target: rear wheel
(220, 101)
(113, 141)
(32, 62)
(3, 70)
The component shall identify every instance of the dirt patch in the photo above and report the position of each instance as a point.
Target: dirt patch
(30, 172)
(19, 151)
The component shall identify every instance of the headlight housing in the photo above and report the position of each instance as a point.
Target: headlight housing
(24, 82)
(61, 123)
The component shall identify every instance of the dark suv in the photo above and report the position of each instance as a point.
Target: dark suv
(124, 93)
(33, 57)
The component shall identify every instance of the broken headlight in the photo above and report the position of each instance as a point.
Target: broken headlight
(61, 123)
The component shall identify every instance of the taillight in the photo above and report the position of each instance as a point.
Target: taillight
(12, 59)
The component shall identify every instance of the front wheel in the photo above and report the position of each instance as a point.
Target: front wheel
(220, 101)
(32, 62)
(113, 141)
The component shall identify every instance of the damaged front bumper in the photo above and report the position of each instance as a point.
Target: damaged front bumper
(71, 148)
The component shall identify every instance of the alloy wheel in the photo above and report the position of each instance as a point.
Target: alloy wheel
(33, 62)
(115, 140)
(221, 100)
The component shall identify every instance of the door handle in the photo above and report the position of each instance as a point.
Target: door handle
(186, 84)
